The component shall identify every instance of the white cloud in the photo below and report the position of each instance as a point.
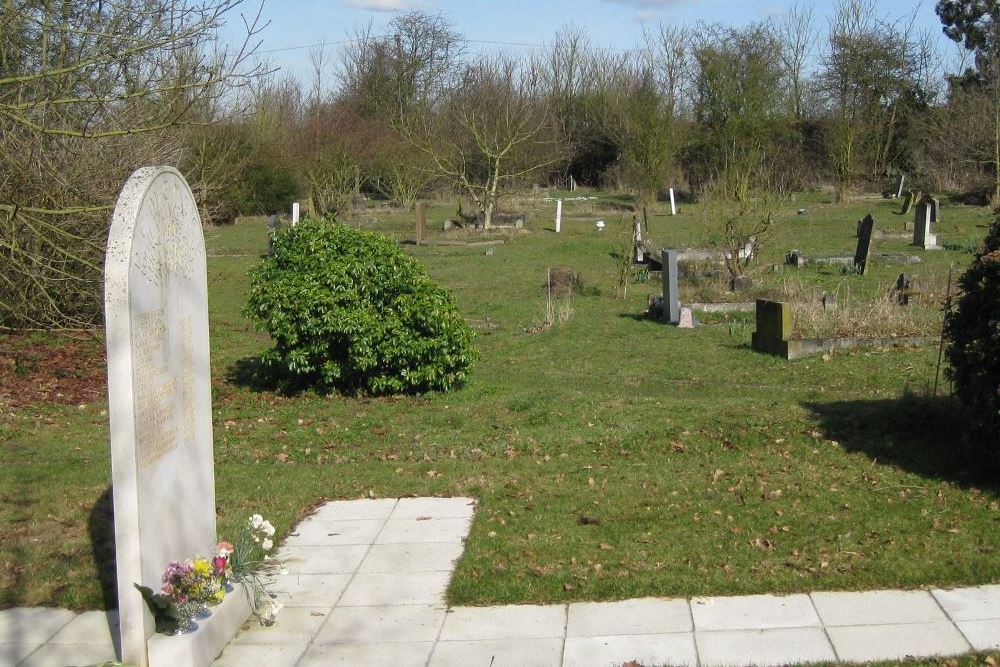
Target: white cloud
(382, 5)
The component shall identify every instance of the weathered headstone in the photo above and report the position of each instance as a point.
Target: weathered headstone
(774, 327)
(935, 205)
(741, 284)
(637, 240)
(671, 293)
(911, 198)
(922, 226)
(863, 250)
(795, 258)
(686, 319)
(421, 222)
(159, 397)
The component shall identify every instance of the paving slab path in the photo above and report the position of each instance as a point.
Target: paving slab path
(366, 583)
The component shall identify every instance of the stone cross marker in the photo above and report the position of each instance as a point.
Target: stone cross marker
(159, 392)
(865, 228)
(922, 226)
(421, 222)
(671, 294)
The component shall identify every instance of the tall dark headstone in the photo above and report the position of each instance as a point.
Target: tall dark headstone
(671, 293)
(774, 327)
(865, 229)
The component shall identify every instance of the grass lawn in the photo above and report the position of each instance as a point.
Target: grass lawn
(612, 456)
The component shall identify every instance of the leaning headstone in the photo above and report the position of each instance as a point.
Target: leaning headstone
(899, 190)
(774, 327)
(911, 198)
(922, 226)
(671, 293)
(864, 248)
(421, 222)
(159, 403)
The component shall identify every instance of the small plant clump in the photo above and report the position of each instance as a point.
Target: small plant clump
(972, 329)
(348, 310)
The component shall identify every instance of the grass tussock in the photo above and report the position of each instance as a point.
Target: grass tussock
(880, 315)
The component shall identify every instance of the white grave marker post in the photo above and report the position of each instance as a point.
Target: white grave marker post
(160, 403)
(558, 214)
(295, 214)
(673, 205)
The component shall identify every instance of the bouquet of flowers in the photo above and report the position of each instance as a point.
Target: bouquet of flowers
(190, 587)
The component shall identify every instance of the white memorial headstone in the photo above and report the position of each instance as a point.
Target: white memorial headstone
(558, 214)
(159, 391)
(673, 205)
(295, 214)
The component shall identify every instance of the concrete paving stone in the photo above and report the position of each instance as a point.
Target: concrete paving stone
(400, 654)
(864, 643)
(32, 625)
(309, 590)
(410, 531)
(412, 623)
(507, 622)
(428, 557)
(293, 625)
(753, 612)
(314, 533)
(12, 654)
(393, 588)
(352, 510)
(323, 560)
(628, 617)
(437, 508)
(649, 649)
(970, 604)
(983, 635)
(877, 608)
(498, 653)
(61, 655)
(90, 627)
(780, 646)
(255, 655)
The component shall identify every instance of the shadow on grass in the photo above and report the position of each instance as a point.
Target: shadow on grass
(253, 374)
(931, 437)
(101, 529)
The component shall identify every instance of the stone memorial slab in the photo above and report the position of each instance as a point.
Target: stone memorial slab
(671, 293)
(861, 255)
(911, 198)
(922, 235)
(159, 391)
(774, 326)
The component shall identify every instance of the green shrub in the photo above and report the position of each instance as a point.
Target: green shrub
(349, 310)
(973, 333)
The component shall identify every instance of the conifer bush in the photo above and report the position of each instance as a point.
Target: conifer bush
(348, 310)
(972, 330)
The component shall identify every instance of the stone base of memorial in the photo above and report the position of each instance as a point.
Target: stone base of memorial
(774, 329)
(201, 646)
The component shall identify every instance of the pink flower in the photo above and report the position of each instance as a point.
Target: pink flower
(219, 564)
(223, 549)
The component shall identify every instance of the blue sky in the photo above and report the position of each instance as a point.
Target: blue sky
(610, 23)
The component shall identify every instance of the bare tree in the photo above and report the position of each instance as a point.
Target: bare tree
(797, 33)
(88, 92)
(488, 132)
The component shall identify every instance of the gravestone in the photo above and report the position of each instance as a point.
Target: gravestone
(558, 215)
(421, 222)
(911, 198)
(774, 327)
(637, 240)
(899, 190)
(922, 226)
(863, 250)
(935, 204)
(671, 294)
(159, 392)
(686, 319)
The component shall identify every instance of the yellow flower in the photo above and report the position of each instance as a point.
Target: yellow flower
(202, 568)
